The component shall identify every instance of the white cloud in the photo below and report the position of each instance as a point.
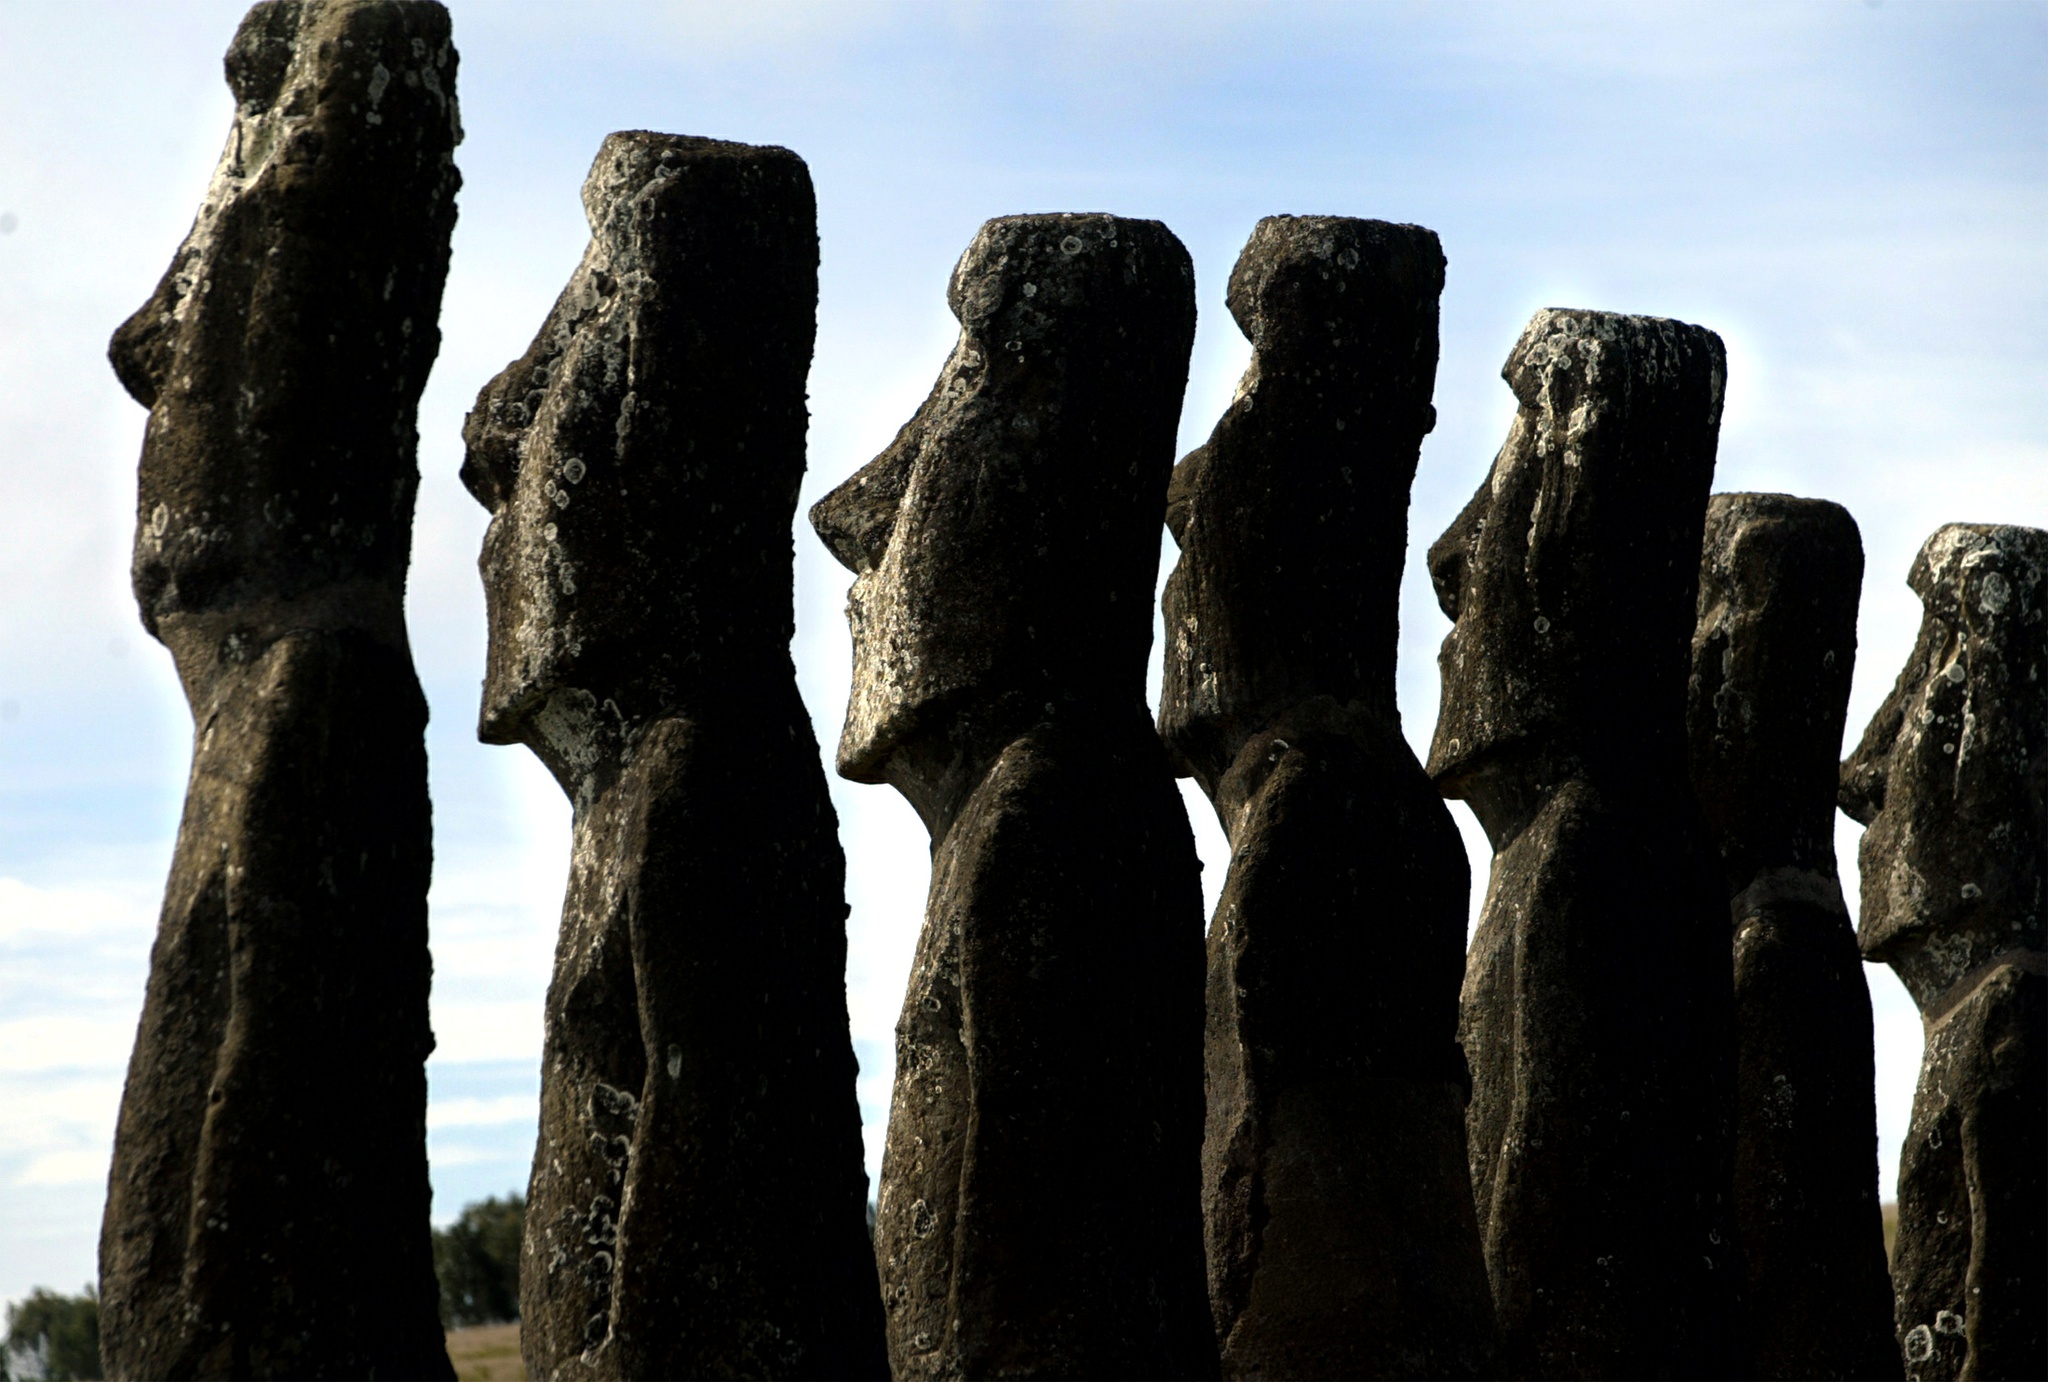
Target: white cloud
(83, 1166)
(466, 1032)
(49, 1115)
(480, 1113)
(464, 1154)
(40, 1044)
(30, 914)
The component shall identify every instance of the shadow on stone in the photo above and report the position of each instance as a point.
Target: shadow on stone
(1341, 1239)
(1596, 1010)
(1771, 659)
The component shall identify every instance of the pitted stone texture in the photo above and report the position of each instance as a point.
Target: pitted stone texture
(1952, 780)
(697, 1206)
(1772, 656)
(1336, 1196)
(1039, 1210)
(267, 1208)
(1596, 1011)
(1967, 1261)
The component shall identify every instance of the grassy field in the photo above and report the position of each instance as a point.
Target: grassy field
(486, 1353)
(490, 1352)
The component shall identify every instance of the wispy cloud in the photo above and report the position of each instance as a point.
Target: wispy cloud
(480, 1113)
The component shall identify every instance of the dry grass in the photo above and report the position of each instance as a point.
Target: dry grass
(486, 1353)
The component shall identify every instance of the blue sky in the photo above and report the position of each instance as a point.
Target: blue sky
(1852, 194)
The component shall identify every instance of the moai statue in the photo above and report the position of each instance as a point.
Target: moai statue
(1039, 1209)
(698, 1204)
(1335, 1188)
(1771, 658)
(1952, 779)
(267, 1209)
(1596, 1011)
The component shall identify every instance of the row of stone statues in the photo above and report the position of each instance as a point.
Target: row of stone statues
(1631, 1134)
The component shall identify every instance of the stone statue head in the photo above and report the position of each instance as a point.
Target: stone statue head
(1292, 519)
(1004, 545)
(1773, 651)
(641, 460)
(1952, 775)
(1571, 573)
(276, 480)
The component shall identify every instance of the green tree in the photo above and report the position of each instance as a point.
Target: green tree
(53, 1336)
(477, 1260)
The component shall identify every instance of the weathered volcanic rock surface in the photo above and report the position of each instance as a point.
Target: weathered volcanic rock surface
(697, 1207)
(1039, 1208)
(1952, 780)
(1772, 654)
(267, 1210)
(1335, 1189)
(1596, 1011)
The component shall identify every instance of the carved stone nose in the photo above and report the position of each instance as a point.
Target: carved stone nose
(1447, 565)
(854, 520)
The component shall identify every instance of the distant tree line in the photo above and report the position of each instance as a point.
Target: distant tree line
(477, 1261)
(52, 1336)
